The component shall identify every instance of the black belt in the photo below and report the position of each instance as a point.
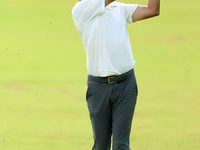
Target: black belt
(111, 80)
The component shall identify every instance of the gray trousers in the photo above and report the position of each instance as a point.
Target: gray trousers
(111, 108)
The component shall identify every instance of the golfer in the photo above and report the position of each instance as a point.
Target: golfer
(112, 88)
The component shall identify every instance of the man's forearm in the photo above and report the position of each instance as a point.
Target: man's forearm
(154, 5)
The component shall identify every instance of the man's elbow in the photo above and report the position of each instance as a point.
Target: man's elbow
(155, 13)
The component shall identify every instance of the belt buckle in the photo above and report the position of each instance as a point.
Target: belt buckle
(110, 82)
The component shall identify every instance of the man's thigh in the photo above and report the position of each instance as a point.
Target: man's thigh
(123, 110)
(100, 114)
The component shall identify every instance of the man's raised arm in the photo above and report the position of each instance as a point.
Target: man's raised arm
(107, 2)
(86, 10)
(152, 9)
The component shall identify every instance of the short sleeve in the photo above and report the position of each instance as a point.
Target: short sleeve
(86, 10)
(129, 10)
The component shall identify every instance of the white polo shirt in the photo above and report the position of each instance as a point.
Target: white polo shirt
(104, 33)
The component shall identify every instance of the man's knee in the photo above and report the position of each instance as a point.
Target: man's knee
(121, 146)
(121, 142)
(102, 145)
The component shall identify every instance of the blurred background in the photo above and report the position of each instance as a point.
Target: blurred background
(43, 78)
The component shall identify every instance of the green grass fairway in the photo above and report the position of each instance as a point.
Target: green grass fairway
(43, 78)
